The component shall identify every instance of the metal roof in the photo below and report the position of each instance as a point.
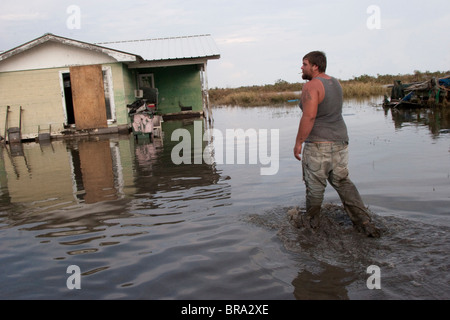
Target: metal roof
(189, 47)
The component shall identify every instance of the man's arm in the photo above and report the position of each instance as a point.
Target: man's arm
(310, 102)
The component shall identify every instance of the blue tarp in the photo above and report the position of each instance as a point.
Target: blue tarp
(444, 82)
(408, 96)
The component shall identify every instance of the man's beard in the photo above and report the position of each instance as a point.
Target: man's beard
(306, 76)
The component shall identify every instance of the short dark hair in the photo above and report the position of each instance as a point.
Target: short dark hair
(317, 58)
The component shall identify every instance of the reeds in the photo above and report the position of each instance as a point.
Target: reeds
(263, 96)
(282, 92)
(250, 98)
(355, 90)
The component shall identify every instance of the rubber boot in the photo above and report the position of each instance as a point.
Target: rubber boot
(312, 217)
(362, 221)
(369, 229)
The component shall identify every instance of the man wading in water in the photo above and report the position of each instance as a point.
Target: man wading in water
(325, 155)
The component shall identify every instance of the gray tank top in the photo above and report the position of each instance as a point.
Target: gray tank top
(329, 124)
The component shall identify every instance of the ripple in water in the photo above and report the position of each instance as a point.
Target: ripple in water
(412, 256)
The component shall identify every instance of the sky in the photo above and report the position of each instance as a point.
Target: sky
(260, 42)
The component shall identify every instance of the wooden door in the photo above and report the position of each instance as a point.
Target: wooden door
(88, 97)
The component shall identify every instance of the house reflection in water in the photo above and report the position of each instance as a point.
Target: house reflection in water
(64, 173)
(39, 176)
(93, 170)
(156, 172)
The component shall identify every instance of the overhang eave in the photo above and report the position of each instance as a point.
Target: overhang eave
(171, 62)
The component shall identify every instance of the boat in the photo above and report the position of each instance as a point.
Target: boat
(430, 93)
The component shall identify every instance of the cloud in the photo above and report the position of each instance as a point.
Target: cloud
(235, 39)
(260, 41)
(22, 16)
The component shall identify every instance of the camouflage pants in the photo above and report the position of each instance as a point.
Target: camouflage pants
(324, 162)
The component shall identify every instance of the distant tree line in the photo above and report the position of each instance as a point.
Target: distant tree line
(417, 76)
(281, 91)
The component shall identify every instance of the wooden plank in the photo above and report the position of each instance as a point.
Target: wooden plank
(88, 97)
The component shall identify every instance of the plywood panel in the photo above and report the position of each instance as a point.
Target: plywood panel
(88, 97)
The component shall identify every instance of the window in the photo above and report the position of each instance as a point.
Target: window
(146, 81)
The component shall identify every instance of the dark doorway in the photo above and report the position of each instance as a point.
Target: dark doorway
(68, 99)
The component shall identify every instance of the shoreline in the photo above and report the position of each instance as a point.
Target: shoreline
(281, 91)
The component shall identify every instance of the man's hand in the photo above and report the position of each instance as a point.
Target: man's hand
(298, 151)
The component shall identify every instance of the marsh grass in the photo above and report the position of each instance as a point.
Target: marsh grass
(261, 96)
(354, 89)
(250, 98)
(282, 91)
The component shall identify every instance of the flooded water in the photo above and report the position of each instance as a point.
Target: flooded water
(140, 227)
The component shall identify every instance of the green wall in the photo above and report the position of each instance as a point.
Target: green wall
(180, 84)
(124, 82)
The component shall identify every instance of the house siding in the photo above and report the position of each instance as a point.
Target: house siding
(129, 85)
(124, 84)
(38, 92)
